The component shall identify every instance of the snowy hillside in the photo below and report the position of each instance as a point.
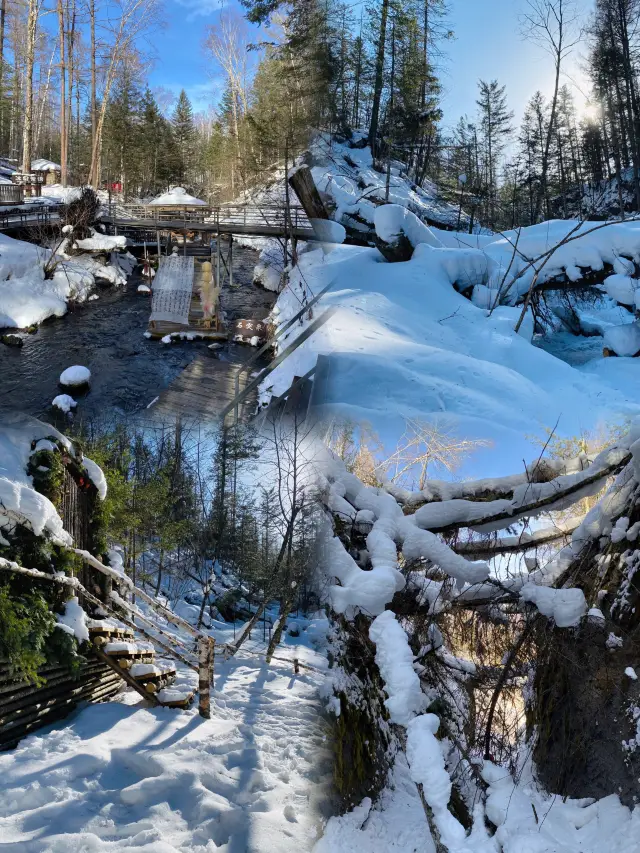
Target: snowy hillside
(353, 189)
(416, 339)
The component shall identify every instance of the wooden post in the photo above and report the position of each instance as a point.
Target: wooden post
(205, 675)
(230, 259)
(296, 666)
(218, 282)
(158, 241)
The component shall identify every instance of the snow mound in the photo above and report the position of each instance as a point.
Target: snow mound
(74, 620)
(64, 402)
(623, 340)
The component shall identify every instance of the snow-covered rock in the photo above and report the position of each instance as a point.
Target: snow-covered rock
(75, 375)
(64, 402)
(623, 340)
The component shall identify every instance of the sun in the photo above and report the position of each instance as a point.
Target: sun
(591, 111)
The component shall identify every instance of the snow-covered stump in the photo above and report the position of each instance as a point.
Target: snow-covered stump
(206, 655)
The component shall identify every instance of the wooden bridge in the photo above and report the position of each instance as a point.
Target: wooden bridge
(252, 220)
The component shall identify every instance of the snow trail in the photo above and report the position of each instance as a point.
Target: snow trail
(123, 777)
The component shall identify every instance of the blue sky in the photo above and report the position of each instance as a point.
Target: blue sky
(487, 45)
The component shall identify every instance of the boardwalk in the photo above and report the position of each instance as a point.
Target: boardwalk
(252, 220)
(201, 392)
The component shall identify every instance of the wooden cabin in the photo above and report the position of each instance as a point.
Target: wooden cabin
(46, 171)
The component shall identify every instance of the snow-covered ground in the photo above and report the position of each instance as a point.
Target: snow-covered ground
(123, 777)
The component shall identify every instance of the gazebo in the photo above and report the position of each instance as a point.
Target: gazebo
(177, 197)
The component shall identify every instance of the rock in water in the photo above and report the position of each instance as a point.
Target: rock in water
(12, 340)
(75, 376)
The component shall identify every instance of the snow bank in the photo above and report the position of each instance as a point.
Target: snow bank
(28, 298)
(429, 354)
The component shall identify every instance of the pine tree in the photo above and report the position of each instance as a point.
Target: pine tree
(495, 126)
(184, 139)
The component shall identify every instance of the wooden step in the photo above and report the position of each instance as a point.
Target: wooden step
(124, 653)
(109, 629)
(175, 698)
(153, 673)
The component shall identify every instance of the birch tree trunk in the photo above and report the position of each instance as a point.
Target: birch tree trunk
(63, 96)
(27, 135)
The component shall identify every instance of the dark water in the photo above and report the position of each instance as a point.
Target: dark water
(107, 336)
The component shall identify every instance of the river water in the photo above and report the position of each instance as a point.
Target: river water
(107, 335)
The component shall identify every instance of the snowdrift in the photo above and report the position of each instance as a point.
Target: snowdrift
(404, 343)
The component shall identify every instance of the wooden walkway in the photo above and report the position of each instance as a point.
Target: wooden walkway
(201, 392)
(249, 220)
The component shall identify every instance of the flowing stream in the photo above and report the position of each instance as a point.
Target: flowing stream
(107, 336)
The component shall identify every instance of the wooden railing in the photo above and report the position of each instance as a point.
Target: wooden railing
(29, 216)
(222, 217)
(11, 194)
(201, 661)
(205, 643)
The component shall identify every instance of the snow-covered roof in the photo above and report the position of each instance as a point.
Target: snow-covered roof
(179, 197)
(42, 165)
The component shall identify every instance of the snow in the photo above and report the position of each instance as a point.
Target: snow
(27, 297)
(19, 501)
(367, 591)
(120, 776)
(631, 673)
(346, 176)
(622, 288)
(529, 820)
(394, 659)
(144, 288)
(327, 231)
(75, 375)
(64, 402)
(74, 620)
(43, 165)
(101, 243)
(96, 475)
(623, 340)
(431, 355)
(565, 606)
(427, 768)
(392, 220)
(177, 196)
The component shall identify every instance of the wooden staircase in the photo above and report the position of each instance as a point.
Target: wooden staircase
(135, 661)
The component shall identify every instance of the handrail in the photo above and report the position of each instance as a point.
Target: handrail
(302, 337)
(280, 332)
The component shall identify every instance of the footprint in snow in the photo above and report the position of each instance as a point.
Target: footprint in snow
(290, 813)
